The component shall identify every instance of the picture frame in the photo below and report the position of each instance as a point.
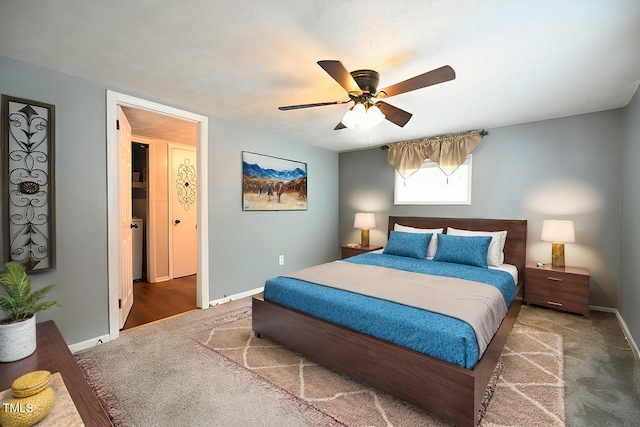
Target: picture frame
(273, 183)
(28, 204)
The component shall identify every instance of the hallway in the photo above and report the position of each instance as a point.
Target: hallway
(155, 301)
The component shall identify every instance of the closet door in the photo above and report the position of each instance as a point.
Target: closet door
(183, 233)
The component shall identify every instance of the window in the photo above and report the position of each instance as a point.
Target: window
(430, 186)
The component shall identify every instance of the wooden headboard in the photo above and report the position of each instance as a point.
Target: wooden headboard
(515, 249)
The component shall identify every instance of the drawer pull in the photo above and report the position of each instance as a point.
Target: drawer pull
(557, 279)
(557, 304)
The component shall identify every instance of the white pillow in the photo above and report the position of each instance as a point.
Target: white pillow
(495, 255)
(433, 244)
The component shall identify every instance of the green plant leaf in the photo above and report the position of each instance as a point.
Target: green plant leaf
(15, 281)
(21, 302)
(37, 295)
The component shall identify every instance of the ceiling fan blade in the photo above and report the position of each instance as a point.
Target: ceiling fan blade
(339, 126)
(317, 104)
(340, 74)
(394, 114)
(439, 75)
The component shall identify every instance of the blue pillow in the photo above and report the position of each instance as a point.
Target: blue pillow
(412, 245)
(463, 249)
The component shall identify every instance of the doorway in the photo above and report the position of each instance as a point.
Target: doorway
(115, 99)
(164, 200)
(161, 168)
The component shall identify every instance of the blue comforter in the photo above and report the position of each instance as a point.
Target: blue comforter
(437, 335)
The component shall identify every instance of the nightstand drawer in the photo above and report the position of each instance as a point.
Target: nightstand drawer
(566, 296)
(554, 278)
(564, 289)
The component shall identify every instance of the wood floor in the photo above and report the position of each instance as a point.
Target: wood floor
(155, 301)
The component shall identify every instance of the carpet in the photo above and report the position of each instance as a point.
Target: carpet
(527, 388)
(156, 375)
(164, 374)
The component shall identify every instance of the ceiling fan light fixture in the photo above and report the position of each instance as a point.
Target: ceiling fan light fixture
(374, 116)
(361, 117)
(354, 116)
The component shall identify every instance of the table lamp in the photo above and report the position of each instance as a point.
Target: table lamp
(364, 221)
(558, 233)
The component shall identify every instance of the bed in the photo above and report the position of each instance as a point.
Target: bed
(444, 388)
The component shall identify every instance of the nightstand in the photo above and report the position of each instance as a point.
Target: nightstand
(564, 289)
(349, 251)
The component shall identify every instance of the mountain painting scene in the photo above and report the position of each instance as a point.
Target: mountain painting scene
(273, 184)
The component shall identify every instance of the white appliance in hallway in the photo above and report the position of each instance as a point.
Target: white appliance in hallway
(137, 231)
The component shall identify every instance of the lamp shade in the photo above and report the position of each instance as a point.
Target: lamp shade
(558, 231)
(365, 220)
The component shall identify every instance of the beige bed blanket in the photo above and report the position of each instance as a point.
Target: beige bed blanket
(481, 306)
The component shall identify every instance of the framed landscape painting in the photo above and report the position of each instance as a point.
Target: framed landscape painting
(273, 184)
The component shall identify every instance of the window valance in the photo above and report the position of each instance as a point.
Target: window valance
(448, 151)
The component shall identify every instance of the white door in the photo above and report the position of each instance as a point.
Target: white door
(125, 263)
(183, 187)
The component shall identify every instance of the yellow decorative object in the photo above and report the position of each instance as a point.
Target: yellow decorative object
(32, 402)
(26, 411)
(31, 383)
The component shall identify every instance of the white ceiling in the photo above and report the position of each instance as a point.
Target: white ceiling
(159, 126)
(515, 61)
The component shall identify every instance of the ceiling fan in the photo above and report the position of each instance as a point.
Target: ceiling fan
(362, 88)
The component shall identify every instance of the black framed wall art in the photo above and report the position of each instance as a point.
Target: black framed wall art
(28, 133)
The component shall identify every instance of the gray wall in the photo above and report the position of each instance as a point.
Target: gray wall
(566, 168)
(629, 299)
(81, 202)
(244, 245)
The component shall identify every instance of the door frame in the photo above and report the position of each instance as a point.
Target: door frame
(113, 236)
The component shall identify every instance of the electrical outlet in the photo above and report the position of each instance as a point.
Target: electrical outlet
(281, 260)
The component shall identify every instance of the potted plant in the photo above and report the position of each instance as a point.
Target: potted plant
(18, 331)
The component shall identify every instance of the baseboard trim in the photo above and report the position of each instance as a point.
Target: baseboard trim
(83, 345)
(623, 325)
(603, 309)
(235, 297)
(91, 342)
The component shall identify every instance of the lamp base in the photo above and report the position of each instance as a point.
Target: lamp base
(557, 254)
(364, 237)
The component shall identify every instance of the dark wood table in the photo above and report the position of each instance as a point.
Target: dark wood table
(52, 354)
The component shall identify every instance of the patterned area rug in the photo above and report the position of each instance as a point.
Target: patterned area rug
(530, 390)
(527, 388)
